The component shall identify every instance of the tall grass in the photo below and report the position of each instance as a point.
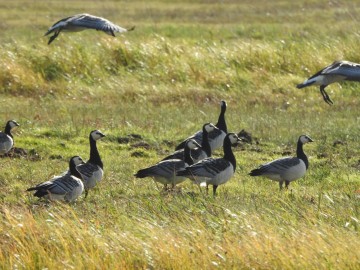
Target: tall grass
(163, 81)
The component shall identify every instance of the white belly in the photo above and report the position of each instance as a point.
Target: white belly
(96, 177)
(222, 177)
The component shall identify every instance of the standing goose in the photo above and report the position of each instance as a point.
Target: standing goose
(286, 169)
(336, 72)
(92, 171)
(199, 153)
(217, 136)
(6, 138)
(67, 187)
(164, 172)
(82, 22)
(214, 171)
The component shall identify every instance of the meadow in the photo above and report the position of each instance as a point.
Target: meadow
(162, 81)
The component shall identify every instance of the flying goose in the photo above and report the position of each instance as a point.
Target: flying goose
(92, 171)
(6, 138)
(286, 169)
(336, 72)
(217, 136)
(82, 22)
(214, 171)
(67, 187)
(164, 172)
(199, 153)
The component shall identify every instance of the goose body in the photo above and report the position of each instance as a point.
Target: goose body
(336, 72)
(199, 153)
(92, 171)
(216, 137)
(6, 138)
(80, 22)
(286, 169)
(214, 171)
(67, 187)
(164, 172)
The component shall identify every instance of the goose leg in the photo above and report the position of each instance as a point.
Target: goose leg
(326, 97)
(207, 189)
(281, 184)
(86, 193)
(53, 37)
(287, 184)
(214, 190)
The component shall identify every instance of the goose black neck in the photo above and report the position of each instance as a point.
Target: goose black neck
(221, 124)
(73, 170)
(300, 153)
(8, 130)
(94, 154)
(187, 156)
(205, 145)
(228, 153)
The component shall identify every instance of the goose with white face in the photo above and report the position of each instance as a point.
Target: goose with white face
(97, 135)
(6, 138)
(288, 169)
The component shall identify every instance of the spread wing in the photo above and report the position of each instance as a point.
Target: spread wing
(97, 23)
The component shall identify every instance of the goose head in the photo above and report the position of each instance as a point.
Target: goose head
(233, 138)
(11, 124)
(192, 144)
(305, 139)
(209, 127)
(96, 135)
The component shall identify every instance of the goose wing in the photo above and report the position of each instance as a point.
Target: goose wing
(277, 166)
(87, 169)
(3, 137)
(97, 23)
(208, 167)
(60, 185)
(179, 154)
(196, 136)
(166, 169)
(347, 69)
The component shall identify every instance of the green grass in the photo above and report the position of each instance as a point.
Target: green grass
(163, 81)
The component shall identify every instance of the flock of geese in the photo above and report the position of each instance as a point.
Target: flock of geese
(192, 158)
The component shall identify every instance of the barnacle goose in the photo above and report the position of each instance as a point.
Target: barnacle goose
(336, 72)
(217, 136)
(214, 171)
(6, 138)
(286, 169)
(199, 153)
(92, 171)
(84, 21)
(164, 172)
(67, 187)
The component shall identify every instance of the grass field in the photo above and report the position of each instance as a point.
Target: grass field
(163, 81)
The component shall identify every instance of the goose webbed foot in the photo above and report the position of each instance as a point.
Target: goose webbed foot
(325, 96)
